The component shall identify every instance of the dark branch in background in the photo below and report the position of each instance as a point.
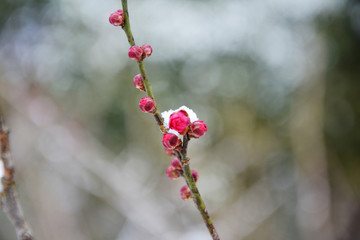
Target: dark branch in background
(9, 200)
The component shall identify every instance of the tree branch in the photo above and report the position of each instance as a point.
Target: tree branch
(148, 89)
(182, 154)
(184, 160)
(9, 200)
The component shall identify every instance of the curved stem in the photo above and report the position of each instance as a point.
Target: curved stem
(131, 40)
(182, 155)
(8, 197)
(184, 160)
(126, 26)
(157, 115)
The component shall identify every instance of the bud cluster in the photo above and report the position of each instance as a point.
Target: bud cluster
(135, 52)
(181, 122)
(146, 104)
(139, 53)
(174, 171)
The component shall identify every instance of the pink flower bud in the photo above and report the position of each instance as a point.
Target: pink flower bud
(195, 175)
(172, 172)
(147, 50)
(176, 163)
(138, 82)
(185, 193)
(170, 141)
(197, 129)
(117, 18)
(147, 104)
(136, 53)
(179, 121)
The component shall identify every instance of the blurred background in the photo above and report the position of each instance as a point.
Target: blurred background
(277, 82)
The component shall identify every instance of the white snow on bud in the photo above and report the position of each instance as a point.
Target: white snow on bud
(2, 174)
(190, 112)
(166, 115)
(174, 132)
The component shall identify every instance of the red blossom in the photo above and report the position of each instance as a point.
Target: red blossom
(179, 121)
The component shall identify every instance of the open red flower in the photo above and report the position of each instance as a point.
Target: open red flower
(179, 121)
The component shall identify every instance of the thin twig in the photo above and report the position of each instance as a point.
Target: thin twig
(9, 200)
(148, 89)
(184, 160)
(183, 154)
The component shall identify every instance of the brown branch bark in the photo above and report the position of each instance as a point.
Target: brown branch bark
(9, 200)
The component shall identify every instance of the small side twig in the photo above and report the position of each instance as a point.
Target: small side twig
(9, 200)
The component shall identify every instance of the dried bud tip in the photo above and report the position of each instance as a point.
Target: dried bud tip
(195, 175)
(185, 193)
(139, 83)
(170, 152)
(173, 173)
(176, 163)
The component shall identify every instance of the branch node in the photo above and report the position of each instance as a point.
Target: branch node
(185, 161)
(8, 182)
